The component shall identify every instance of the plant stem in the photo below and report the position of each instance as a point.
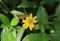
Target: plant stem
(20, 34)
(5, 6)
(42, 30)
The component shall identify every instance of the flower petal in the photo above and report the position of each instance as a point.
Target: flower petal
(24, 21)
(30, 15)
(34, 21)
(35, 17)
(27, 18)
(31, 26)
(25, 26)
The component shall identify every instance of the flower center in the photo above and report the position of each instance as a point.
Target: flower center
(30, 21)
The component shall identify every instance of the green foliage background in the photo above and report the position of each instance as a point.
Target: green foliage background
(48, 17)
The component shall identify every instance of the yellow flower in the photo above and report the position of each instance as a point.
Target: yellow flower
(29, 22)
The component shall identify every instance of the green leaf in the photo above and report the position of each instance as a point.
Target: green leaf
(14, 12)
(58, 12)
(14, 22)
(0, 0)
(50, 1)
(7, 35)
(57, 26)
(20, 33)
(55, 36)
(42, 16)
(27, 4)
(36, 37)
(4, 19)
(14, 32)
(57, 21)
